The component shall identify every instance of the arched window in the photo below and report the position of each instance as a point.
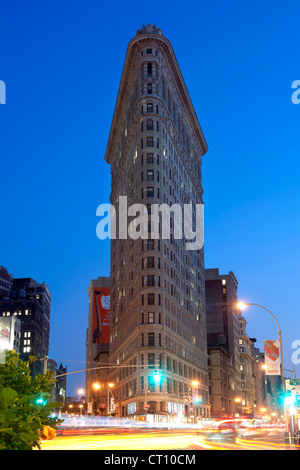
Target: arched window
(149, 125)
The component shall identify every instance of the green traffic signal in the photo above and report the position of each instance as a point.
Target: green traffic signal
(40, 401)
(197, 400)
(157, 377)
(290, 399)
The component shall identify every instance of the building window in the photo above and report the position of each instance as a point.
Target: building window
(150, 262)
(150, 175)
(150, 244)
(150, 158)
(149, 107)
(151, 358)
(151, 341)
(149, 69)
(150, 142)
(150, 191)
(150, 280)
(132, 408)
(150, 317)
(149, 88)
(151, 299)
(148, 51)
(149, 125)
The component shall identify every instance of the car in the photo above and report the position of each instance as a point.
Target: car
(225, 430)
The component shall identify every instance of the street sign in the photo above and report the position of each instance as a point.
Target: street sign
(294, 382)
(293, 385)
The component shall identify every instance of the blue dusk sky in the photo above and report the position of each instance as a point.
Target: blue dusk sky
(62, 61)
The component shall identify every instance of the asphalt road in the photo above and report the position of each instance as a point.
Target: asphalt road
(164, 440)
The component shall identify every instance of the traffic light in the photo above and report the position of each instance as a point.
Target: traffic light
(157, 377)
(40, 401)
(197, 399)
(289, 399)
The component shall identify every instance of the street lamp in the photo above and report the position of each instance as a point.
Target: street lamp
(242, 306)
(96, 386)
(195, 384)
(195, 399)
(110, 385)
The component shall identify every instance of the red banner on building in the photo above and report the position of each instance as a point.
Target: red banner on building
(272, 360)
(101, 315)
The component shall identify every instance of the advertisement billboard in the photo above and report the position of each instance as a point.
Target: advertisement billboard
(6, 336)
(101, 315)
(272, 357)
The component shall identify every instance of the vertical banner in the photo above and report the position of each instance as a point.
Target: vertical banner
(272, 357)
(101, 315)
(6, 336)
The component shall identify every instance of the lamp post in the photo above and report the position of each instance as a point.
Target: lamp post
(110, 385)
(96, 386)
(80, 392)
(242, 306)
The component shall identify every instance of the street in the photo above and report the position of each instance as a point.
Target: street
(164, 440)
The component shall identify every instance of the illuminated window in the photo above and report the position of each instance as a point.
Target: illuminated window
(151, 317)
(150, 175)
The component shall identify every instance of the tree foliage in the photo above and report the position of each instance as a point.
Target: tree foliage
(24, 407)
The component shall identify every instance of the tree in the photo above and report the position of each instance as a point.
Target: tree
(24, 407)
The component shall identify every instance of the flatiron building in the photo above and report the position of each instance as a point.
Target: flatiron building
(158, 322)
